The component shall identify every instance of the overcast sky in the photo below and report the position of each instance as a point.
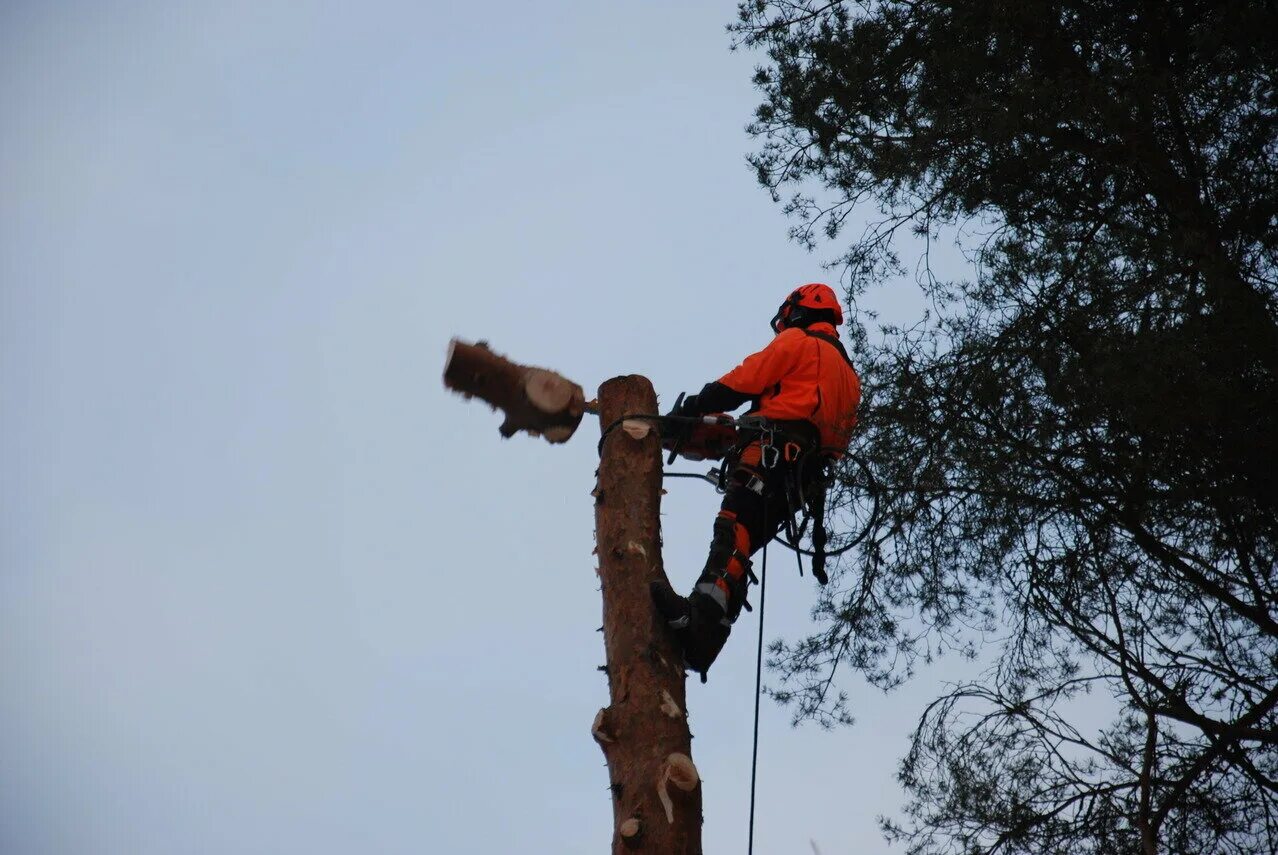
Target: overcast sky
(265, 586)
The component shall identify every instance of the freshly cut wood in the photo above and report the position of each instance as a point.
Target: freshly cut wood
(643, 732)
(534, 400)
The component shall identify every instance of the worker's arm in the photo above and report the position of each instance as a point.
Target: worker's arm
(714, 397)
(756, 373)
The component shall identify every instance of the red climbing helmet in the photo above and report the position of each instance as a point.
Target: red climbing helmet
(808, 304)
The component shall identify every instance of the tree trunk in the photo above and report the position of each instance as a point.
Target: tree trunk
(534, 400)
(656, 792)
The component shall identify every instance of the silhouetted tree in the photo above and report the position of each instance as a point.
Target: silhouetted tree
(1076, 444)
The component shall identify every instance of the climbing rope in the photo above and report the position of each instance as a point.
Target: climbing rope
(758, 692)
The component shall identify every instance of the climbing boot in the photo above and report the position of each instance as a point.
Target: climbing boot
(706, 634)
(675, 610)
(697, 624)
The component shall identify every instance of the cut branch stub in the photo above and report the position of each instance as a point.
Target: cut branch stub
(535, 400)
(680, 771)
(630, 831)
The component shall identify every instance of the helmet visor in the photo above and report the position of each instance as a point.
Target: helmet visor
(779, 319)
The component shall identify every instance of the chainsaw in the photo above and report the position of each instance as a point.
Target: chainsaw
(707, 437)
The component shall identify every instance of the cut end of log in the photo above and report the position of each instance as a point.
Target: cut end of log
(448, 358)
(550, 393)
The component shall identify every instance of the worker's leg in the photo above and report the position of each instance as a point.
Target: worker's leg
(747, 519)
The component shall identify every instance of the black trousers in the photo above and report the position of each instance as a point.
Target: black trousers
(759, 502)
(757, 495)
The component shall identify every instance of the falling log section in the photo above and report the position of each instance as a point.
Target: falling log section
(656, 793)
(535, 400)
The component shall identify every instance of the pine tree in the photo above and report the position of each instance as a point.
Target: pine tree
(1078, 444)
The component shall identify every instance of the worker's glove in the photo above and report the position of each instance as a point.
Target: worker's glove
(686, 407)
(676, 431)
(689, 407)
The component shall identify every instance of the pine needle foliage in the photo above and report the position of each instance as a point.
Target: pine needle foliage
(1076, 443)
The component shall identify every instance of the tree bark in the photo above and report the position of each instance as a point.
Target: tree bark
(535, 400)
(656, 792)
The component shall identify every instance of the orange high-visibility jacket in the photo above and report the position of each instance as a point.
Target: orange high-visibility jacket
(800, 376)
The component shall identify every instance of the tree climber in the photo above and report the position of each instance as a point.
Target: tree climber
(804, 389)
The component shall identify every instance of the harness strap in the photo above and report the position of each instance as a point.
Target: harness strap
(830, 339)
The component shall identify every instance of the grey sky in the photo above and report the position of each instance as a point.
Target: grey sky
(265, 587)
